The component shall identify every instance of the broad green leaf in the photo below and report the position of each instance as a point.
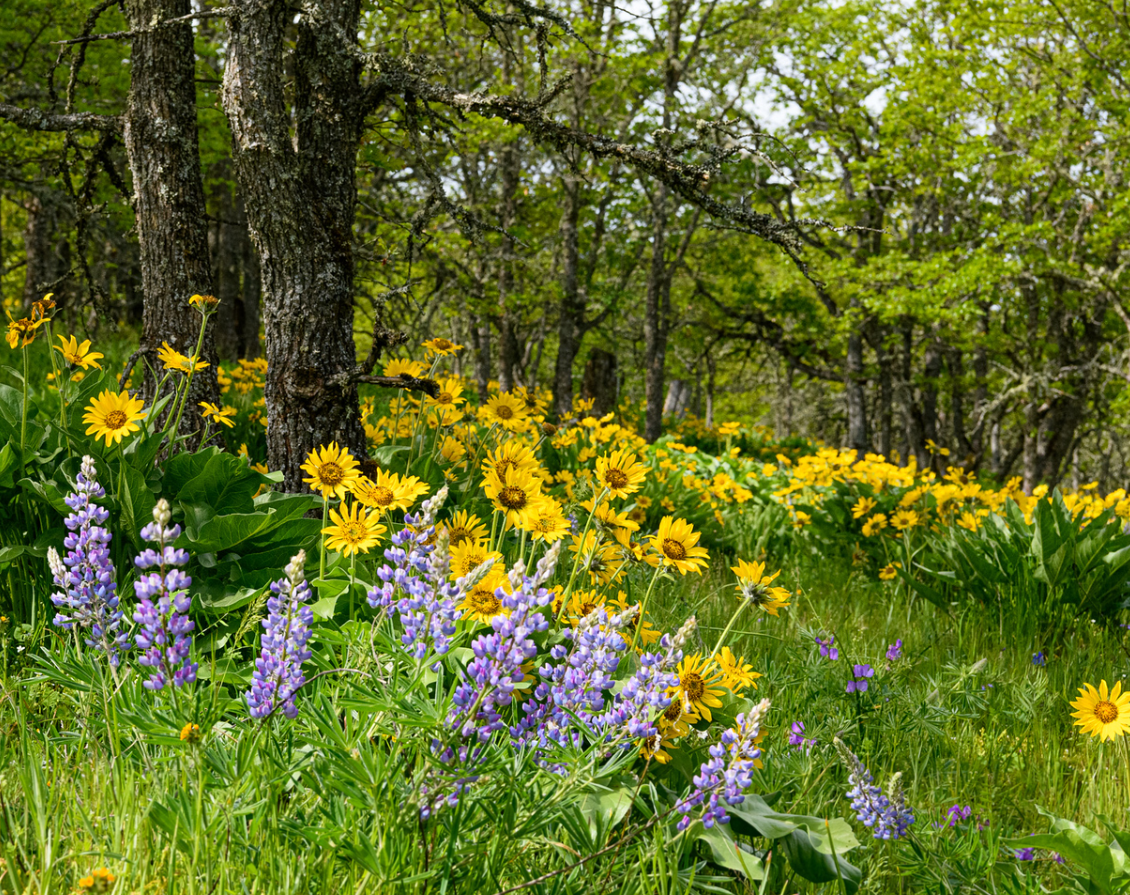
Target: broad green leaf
(727, 853)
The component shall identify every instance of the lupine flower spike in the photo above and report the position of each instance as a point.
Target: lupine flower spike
(278, 671)
(162, 612)
(89, 596)
(886, 814)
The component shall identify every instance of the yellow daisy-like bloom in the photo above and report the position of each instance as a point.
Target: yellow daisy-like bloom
(514, 493)
(699, 686)
(400, 367)
(889, 573)
(676, 545)
(674, 724)
(507, 410)
(510, 455)
(465, 527)
(862, 507)
(874, 525)
(354, 530)
(545, 520)
(581, 603)
(754, 585)
(333, 471)
(174, 360)
(599, 558)
(904, 519)
(446, 402)
(221, 415)
(620, 472)
(205, 304)
(113, 416)
(100, 880)
(482, 603)
(736, 675)
(441, 347)
(969, 521)
(389, 491)
(468, 556)
(21, 333)
(76, 354)
(1101, 713)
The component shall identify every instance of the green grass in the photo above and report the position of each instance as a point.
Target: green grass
(324, 805)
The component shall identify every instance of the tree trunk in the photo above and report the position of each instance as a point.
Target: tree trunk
(480, 341)
(571, 313)
(227, 250)
(300, 199)
(44, 265)
(655, 323)
(599, 383)
(164, 159)
(251, 286)
(857, 436)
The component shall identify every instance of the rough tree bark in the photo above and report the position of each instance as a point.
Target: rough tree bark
(164, 158)
(300, 197)
(571, 313)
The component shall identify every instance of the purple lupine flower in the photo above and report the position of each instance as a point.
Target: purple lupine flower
(427, 603)
(487, 684)
(862, 673)
(278, 671)
(723, 779)
(894, 651)
(1039, 659)
(957, 814)
(828, 648)
(797, 737)
(162, 611)
(89, 597)
(1025, 854)
(888, 816)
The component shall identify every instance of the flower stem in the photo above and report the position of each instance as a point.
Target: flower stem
(729, 625)
(322, 536)
(643, 605)
(188, 381)
(23, 409)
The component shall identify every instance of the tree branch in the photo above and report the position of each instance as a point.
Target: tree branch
(35, 120)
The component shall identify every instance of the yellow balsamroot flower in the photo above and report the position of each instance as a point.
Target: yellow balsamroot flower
(401, 367)
(333, 471)
(510, 455)
(100, 880)
(450, 394)
(904, 519)
(969, 521)
(545, 520)
(862, 507)
(389, 491)
(620, 472)
(452, 449)
(514, 493)
(482, 603)
(464, 527)
(468, 556)
(674, 724)
(113, 416)
(441, 347)
(506, 410)
(221, 415)
(736, 675)
(21, 333)
(1100, 713)
(76, 354)
(354, 530)
(874, 525)
(174, 360)
(699, 686)
(888, 573)
(581, 603)
(754, 585)
(190, 733)
(599, 558)
(676, 545)
(205, 304)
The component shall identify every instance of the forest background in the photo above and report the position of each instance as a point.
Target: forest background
(896, 227)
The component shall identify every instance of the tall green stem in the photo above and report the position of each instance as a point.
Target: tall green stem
(643, 605)
(322, 536)
(23, 409)
(729, 626)
(188, 381)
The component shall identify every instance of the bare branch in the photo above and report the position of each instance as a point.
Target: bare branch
(35, 120)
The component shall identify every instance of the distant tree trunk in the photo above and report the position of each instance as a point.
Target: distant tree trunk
(227, 250)
(300, 199)
(571, 312)
(164, 159)
(656, 300)
(480, 342)
(251, 285)
(931, 370)
(44, 264)
(678, 397)
(711, 370)
(854, 392)
(599, 382)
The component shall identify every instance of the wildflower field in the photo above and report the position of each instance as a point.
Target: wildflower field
(500, 654)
